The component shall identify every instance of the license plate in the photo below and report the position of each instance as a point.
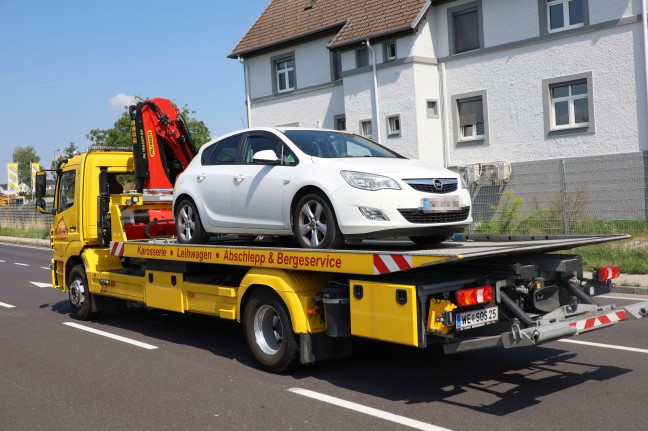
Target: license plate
(439, 204)
(472, 319)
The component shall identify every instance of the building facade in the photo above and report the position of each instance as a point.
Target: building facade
(459, 83)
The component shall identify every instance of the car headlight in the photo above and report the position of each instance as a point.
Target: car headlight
(364, 181)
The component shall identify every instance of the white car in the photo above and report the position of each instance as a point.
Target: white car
(322, 186)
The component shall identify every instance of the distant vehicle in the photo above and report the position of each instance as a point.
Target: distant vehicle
(322, 186)
(8, 200)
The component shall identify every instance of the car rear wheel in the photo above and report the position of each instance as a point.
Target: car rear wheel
(189, 228)
(314, 223)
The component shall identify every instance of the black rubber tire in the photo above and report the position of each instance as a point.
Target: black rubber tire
(428, 240)
(269, 334)
(80, 298)
(189, 228)
(314, 223)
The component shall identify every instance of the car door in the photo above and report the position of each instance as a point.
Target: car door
(257, 189)
(214, 181)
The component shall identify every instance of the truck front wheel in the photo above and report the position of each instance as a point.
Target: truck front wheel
(80, 297)
(268, 333)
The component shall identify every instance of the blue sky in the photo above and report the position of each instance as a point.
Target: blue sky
(63, 62)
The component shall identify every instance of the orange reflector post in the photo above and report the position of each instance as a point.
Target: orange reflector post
(478, 295)
(608, 272)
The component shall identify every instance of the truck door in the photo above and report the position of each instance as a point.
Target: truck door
(66, 229)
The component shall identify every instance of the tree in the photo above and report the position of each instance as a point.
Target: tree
(120, 134)
(68, 152)
(25, 157)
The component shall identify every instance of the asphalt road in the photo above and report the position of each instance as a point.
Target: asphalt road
(194, 373)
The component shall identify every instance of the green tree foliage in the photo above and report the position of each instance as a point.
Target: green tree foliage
(24, 156)
(120, 134)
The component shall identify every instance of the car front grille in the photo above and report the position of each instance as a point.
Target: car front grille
(433, 185)
(416, 216)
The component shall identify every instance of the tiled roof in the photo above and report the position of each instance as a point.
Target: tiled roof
(286, 20)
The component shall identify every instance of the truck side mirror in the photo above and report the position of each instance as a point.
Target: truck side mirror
(41, 187)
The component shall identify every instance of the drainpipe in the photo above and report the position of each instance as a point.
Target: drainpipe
(445, 132)
(644, 20)
(376, 110)
(247, 92)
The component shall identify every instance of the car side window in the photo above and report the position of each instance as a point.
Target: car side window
(256, 143)
(223, 153)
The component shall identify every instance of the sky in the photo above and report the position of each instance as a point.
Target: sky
(70, 66)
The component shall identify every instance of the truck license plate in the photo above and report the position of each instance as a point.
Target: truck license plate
(439, 204)
(472, 319)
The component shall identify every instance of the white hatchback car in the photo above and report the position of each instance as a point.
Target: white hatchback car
(322, 186)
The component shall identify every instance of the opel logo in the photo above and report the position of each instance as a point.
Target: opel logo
(438, 184)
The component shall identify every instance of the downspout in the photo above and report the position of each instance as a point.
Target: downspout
(445, 132)
(248, 109)
(376, 110)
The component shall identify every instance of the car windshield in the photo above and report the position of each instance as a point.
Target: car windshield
(331, 145)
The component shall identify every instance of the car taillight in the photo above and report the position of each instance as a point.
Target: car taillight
(477, 295)
(608, 272)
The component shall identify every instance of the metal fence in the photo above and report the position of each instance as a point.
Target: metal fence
(23, 217)
(602, 194)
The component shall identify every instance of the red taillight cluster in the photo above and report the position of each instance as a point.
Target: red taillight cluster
(608, 272)
(478, 295)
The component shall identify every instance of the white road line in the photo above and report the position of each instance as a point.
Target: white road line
(45, 267)
(2, 261)
(367, 410)
(41, 285)
(627, 298)
(109, 335)
(606, 346)
(20, 264)
(2, 304)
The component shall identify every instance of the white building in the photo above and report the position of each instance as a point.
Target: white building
(455, 82)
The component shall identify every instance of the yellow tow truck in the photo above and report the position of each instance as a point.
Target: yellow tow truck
(301, 306)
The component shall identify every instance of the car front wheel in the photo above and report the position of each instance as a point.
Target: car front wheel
(314, 223)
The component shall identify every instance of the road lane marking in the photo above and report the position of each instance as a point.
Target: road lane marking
(626, 298)
(2, 261)
(109, 335)
(45, 267)
(20, 264)
(367, 410)
(2, 304)
(41, 285)
(606, 346)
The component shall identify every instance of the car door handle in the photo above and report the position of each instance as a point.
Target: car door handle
(201, 177)
(239, 177)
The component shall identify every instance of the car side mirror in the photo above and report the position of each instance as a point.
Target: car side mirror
(267, 157)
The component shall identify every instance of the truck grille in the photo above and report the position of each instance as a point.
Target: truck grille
(433, 185)
(416, 216)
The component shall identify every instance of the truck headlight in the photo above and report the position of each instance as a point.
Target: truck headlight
(365, 181)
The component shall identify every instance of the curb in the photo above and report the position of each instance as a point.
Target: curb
(35, 242)
(631, 290)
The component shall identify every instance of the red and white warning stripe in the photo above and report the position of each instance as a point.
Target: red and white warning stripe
(387, 263)
(116, 248)
(598, 321)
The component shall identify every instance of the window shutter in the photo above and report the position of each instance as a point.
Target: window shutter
(471, 112)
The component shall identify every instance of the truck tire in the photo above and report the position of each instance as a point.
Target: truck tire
(80, 297)
(189, 228)
(268, 333)
(314, 223)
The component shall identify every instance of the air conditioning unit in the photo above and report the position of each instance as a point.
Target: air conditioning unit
(473, 173)
(498, 171)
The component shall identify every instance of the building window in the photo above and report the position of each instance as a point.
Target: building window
(362, 57)
(389, 51)
(366, 129)
(568, 104)
(393, 125)
(471, 119)
(465, 28)
(432, 109)
(283, 79)
(336, 65)
(564, 14)
(339, 122)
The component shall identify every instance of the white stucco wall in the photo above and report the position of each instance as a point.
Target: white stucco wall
(509, 21)
(612, 10)
(513, 81)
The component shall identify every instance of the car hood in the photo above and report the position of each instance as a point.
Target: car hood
(398, 168)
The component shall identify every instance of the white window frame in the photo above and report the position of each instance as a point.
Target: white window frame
(366, 129)
(453, 34)
(463, 136)
(565, 11)
(387, 55)
(458, 131)
(551, 129)
(277, 73)
(393, 125)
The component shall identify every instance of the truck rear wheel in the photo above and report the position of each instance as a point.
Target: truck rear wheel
(80, 297)
(268, 333)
